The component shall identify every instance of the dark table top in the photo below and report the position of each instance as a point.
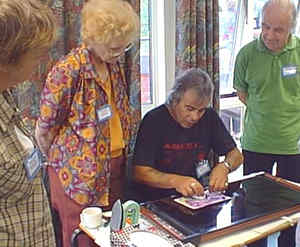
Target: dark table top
(255, 200)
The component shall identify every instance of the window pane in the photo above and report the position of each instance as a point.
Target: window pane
(258, 4)
(146, 81)
(228, 15)
(232, 118)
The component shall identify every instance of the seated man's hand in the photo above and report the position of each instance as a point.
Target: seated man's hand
(218, 180)
(188, 186)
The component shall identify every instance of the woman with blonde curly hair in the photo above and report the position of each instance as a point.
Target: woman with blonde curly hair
(27, 31)
(84, 125)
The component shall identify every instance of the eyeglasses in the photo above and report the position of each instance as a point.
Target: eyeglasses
(128, 47)
(117, 52)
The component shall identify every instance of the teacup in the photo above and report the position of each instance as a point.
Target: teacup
(91, 217)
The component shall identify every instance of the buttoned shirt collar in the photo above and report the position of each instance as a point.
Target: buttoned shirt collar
(289, 46)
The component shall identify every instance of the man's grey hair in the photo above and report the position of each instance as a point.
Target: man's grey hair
(287, 5)
(196, 79)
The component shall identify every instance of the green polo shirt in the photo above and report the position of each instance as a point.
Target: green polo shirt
(272, 81)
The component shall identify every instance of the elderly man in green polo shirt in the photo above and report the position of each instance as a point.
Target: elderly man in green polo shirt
(267, 80)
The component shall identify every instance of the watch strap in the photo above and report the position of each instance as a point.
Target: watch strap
(228, 166)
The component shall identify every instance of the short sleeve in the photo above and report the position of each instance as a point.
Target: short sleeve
(147, 144)
(239, 75)
(57, 94)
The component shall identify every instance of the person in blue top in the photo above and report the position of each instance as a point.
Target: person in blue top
(267, 80)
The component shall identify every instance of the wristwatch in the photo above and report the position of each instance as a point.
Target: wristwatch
(228, 166)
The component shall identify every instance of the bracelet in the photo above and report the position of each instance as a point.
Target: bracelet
(228, 166)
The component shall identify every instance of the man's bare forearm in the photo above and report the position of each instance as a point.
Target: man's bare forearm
(235, 158)
(152, 177)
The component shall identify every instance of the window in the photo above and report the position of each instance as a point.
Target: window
(232, 13)
(157, 58)
(145, 51)
(237, 28)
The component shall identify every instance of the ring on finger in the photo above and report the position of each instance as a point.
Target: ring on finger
(193, 184)
(226, 184)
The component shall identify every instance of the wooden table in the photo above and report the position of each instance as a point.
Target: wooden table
(238, 238)
(247, 236)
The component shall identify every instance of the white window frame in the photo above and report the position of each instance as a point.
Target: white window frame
(163, 23)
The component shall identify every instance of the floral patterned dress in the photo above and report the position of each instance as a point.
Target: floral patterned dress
(80, 152)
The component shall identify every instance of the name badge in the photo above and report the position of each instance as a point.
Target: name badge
(290, 70)
(104, 113)
(33, 164)
(202, 168)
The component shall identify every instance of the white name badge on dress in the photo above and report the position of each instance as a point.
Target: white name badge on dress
(33, 164)
(202, 167)
(290, 70)
(104, 113)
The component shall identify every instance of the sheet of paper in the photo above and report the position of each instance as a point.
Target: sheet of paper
(209, 199)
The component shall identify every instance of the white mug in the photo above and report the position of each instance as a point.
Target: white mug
(91, 217)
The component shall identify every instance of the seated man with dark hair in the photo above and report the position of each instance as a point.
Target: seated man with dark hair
(175, 139)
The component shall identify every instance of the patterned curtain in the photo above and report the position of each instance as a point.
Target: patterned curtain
(67, 14)
(197, 39)
(197, 42)
(133, 75)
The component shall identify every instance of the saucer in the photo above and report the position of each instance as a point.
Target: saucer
(88, 227)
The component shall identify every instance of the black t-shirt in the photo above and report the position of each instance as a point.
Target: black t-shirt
(166, 146)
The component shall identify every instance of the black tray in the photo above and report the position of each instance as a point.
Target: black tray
(254, 201)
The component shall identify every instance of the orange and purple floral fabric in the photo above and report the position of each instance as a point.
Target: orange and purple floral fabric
(80, 152)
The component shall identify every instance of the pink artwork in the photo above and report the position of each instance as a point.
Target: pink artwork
(210, 198)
